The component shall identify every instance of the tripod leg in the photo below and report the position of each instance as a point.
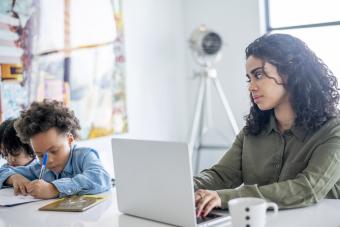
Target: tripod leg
(208, 106)
(197, 117)
(226, 105)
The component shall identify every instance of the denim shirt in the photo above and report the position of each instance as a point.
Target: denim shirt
(82, 174)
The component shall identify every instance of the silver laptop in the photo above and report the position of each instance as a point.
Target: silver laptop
(154, 181)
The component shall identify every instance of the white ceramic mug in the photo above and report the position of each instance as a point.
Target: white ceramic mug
(250, 212)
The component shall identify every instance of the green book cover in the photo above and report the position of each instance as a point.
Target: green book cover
(74, 203)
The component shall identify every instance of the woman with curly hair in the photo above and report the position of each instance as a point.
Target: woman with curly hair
(289, 150)
(51, 128)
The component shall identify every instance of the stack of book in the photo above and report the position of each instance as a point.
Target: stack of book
(10, 53)
(13, 95)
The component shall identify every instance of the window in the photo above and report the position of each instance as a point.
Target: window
(316, 22)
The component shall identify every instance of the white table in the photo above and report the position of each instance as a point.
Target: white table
(324, 214)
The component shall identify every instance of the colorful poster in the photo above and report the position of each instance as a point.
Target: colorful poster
(91, 89)
(47, 77)
(16, 20)
(14, 98)
(119, 112)
(75, 58)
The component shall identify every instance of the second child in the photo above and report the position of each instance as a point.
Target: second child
(12, 149)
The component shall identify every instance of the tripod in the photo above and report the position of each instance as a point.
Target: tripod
(207, 75)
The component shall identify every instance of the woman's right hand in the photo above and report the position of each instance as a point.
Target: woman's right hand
(205, 201)
(19, 183)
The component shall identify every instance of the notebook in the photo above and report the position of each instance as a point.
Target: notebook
(154, 181)
(76, 203)
(8, 198)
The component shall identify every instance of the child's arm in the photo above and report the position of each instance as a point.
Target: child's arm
(91, 178)
(28, 172)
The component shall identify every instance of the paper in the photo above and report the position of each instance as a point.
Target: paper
(8, 198)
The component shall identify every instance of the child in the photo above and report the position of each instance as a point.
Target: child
(52, 128)
(12, 149)
(3, 126)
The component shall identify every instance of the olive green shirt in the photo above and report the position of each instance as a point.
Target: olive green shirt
(293, 169)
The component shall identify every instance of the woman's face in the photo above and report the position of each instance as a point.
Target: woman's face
(265, 84)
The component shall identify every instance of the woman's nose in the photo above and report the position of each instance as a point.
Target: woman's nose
(252, 86)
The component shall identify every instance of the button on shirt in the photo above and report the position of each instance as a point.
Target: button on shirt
(293, 169)
(83, 173)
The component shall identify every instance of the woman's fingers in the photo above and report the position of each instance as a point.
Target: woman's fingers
(202, 204)
(199, 194)
(209, 206)
(205, 201)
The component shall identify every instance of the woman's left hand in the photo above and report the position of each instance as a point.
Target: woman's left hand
(205, 201)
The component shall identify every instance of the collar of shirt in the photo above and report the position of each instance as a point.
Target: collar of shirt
(28, 163)
(297, 131)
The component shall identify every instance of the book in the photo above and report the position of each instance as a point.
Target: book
(12, 71)
(6, 19)
(8, 43)
(76, 203)
(4, 27)
(10, 60)
(8, 198)
(8, 35)
(11, 51)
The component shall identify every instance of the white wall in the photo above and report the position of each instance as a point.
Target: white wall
(237, 21)
(160, 92)
(156, 85)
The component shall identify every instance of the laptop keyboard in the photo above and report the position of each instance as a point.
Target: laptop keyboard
(209, 217)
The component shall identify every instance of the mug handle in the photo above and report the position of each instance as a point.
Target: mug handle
(274, 206)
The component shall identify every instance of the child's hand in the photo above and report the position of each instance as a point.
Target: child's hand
(19, 183)
(41, 189)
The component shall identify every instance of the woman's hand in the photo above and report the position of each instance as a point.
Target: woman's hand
(205, 201)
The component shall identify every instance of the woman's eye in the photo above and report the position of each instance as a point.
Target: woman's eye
(258, 75)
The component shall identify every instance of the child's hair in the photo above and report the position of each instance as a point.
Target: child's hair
(42, 116)
(11, 144)
(3, 126)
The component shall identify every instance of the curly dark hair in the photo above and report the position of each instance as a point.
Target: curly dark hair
(3, 127)
(11, 144)
(42, 116)
(313, 89)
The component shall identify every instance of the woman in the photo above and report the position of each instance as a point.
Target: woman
(289, 150)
